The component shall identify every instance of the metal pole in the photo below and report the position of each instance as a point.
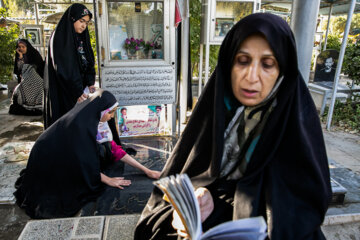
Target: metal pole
(36, 14)
(184, 63)
(339, 64)
(327, 27)
(200, 68)
(303, 23)
(207, 46)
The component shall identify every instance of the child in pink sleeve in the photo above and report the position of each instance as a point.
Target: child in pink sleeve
(104, 137)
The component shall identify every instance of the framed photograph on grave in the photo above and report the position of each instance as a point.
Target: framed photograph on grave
(34, 34)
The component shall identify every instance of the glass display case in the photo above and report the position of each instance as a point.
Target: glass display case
(136, 50)
(223, 15)
(135, 30)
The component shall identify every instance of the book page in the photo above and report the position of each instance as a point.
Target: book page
(180, 192)
(241, 227)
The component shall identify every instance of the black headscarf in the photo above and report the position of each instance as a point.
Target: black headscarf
(288, 171)
(66, 77)
(32, 56)
(63, 170)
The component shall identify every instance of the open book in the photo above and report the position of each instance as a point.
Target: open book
(180, 193)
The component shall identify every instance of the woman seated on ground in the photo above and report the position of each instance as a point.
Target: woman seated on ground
(29, 69)
(64, 170)
(254, 143)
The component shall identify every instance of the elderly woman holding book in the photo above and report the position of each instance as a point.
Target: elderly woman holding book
(254, 144)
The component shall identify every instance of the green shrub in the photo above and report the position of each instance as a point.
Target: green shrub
(351, 65)
(333, 42)
(8, 37)
(346, 115)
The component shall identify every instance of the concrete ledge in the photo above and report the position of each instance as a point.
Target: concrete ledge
(341, 219)
(342, 227)
(335, 227)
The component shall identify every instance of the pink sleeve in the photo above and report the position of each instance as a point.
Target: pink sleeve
(117, 151)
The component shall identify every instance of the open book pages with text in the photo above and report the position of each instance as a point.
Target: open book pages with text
(179, 191)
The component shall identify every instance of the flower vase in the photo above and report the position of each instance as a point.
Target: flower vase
(139, 55)
(146, 54)
(131, 54)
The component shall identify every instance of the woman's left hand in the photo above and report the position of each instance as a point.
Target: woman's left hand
(206, 202)
(82, 98)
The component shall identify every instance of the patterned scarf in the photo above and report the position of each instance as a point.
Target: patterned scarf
(243, 133)
(30, 91)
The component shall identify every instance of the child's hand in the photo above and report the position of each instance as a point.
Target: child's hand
(118, 182)
(153, 174)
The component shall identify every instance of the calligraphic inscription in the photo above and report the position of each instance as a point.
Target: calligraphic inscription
(140, 85)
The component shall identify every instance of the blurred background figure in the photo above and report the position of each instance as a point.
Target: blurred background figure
(29, 70)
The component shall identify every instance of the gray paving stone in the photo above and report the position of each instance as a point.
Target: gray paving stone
(120, 227)
(48, 229)
(65, 228)
(9, 172)
(90, 226)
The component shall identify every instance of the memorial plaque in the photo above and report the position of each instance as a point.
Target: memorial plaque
(140, 85)
(326, 63)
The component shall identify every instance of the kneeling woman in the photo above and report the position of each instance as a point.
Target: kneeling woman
(253, 145)
(64, 170)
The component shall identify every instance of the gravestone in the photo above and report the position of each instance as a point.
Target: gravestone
(326, 63)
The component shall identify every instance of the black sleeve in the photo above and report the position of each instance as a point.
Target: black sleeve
(89, 76)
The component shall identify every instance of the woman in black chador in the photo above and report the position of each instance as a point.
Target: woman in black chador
(69, 65)
(29, 69)
(27, 54)
(253, 145)
(64, 170)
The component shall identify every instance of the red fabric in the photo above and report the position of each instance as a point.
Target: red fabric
(178, 18)
(117, 151)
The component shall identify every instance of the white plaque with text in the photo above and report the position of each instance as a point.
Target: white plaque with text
(140, 85)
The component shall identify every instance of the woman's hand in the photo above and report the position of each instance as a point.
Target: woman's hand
(206, 204)
(118, 182)
(20, 53)
(82, 98)
(92, 89)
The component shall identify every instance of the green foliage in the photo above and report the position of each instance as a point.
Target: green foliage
(333, 42)
(93, 45)
(8, 37)
(195, 31)
(351, 65)
(338, 25)
(346, 115)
